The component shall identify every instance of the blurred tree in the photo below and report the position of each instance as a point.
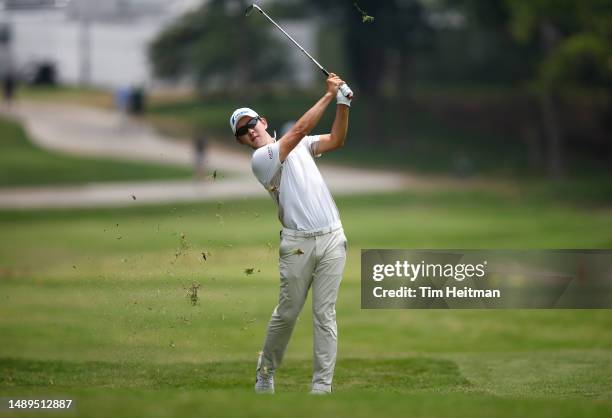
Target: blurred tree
(575, 40)
(220, 49)
(373, 48)
(379, 53)
(474, 44)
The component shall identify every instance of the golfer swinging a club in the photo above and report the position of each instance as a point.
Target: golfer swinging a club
(312, 250)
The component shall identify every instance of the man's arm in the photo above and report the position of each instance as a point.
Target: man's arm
(335, 139)
(310, 119)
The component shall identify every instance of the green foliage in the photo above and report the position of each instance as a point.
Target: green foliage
(582, 59)
(219, 48)
(528, 15)
(574, 37)
(365, 18)
(568, 16)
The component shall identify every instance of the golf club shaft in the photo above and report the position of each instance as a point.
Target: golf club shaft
(294, 41)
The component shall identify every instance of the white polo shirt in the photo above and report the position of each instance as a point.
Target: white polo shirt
(296, 185)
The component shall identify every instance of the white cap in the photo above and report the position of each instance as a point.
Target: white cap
(240, 113)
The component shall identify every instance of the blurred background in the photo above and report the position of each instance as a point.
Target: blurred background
(137, 251)
(504, 88)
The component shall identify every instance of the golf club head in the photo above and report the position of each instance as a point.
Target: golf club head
(250, 9)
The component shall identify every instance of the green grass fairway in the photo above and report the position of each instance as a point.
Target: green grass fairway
(95, 307)
(24, 164)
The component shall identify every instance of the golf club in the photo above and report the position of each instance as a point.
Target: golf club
(344, 88)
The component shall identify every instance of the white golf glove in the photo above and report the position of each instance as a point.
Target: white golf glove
(344, 95)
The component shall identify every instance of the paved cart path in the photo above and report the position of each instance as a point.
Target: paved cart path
(88, 131)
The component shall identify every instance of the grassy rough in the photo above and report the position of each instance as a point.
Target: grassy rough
(24, 164)
(109, 321)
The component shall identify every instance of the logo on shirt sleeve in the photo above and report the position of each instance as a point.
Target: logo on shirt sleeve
(270, 154)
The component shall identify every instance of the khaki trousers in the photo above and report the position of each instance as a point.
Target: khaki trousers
(308, 259)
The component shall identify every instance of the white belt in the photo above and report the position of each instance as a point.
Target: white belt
(311, 233)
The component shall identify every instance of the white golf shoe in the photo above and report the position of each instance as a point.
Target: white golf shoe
(320, 392)
(264, 378)
(264, 382)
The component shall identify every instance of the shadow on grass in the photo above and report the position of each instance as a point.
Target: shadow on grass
(391, 375)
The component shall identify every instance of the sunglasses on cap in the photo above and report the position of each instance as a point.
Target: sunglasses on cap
(244, 129)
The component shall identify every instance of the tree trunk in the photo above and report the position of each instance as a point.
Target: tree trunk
(553, 134)
(549, 38)
(406, 75)
(531, 137)
(373, 133)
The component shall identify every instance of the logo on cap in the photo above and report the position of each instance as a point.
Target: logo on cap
(239, 113)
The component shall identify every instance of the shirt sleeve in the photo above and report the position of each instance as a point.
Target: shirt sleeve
(266, 163)
(312, 144)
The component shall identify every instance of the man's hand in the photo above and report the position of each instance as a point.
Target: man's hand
(333, 84)
(346, 91)
(344, 96)
(337, 87)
